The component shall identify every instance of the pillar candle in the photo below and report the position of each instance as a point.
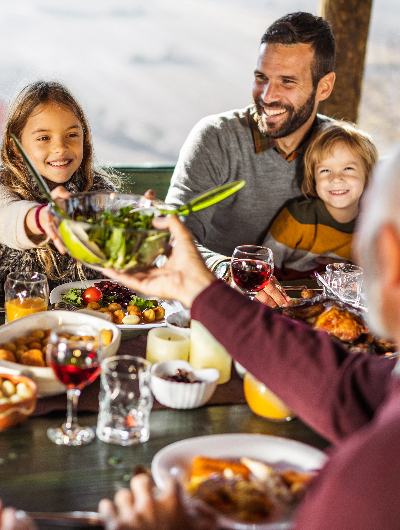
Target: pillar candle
(207, 352)
(165, 344)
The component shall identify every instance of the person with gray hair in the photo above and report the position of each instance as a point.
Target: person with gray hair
(352, 399)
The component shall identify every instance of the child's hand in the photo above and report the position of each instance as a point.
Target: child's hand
(47, 221)
(273, 295)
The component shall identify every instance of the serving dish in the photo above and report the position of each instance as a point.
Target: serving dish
(170, 306)
(182, 395)
(179, 320)
(12, 413)
(47, 383)
(96, 232)
(175, 459)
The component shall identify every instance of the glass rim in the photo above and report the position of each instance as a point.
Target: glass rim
(242, 248)
(341, 267)
(105, 364)
(17, 277)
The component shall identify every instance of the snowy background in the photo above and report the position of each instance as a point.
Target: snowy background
(147, 71)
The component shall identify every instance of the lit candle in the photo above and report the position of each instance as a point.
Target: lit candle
(165, 344)
(207, 352)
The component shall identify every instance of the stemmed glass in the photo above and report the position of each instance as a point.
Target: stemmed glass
(252, 267)
(75, 357)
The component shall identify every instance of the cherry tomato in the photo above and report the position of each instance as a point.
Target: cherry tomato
(92, 294)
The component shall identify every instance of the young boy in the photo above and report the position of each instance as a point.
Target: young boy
(337, 167)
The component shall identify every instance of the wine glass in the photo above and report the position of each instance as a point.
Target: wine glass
(75, 357)
(252, 267)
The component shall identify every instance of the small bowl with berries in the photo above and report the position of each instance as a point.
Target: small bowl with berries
(177, 385)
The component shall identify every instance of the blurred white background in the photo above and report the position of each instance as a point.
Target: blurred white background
(146, 72)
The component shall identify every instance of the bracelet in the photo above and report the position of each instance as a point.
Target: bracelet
(37, 217)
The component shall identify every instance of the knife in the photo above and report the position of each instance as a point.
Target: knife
(65, 518)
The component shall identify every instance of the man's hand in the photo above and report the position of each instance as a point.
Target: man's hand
(182, 278)
(138, 508)
(273, 295)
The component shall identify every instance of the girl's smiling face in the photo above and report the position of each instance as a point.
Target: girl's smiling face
(53, 140)
(339, 182)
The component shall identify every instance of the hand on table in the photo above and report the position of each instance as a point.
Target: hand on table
(273, 295)
(182, 278)
(11, 519)
(138, 508)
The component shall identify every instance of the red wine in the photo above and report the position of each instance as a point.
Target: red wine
(251, 274)
(76, 376)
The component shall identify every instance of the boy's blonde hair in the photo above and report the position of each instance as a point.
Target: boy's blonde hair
(15, 175)
(321, 146)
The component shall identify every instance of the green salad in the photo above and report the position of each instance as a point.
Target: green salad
(109, 241)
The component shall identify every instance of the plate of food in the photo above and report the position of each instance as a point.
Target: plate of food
(127, 309)
(341, 320)
(251, 481)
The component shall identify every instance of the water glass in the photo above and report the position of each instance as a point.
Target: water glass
(125, 400)
(346, 280)
(25, 293)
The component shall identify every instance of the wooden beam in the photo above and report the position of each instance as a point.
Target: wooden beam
(350, 22)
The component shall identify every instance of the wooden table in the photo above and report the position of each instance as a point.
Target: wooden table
(37, 475)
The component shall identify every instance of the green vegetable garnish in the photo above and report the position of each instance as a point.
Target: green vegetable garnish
(141, 303)
(74, 296)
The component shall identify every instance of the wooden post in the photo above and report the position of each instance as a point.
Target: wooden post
(350, 22)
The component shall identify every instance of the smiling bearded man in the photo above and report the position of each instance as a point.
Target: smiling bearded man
(262, 143)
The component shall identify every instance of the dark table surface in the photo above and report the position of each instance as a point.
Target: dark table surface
(37, 475)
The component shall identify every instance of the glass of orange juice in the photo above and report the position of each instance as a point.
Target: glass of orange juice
(25, 293)
(264, 402)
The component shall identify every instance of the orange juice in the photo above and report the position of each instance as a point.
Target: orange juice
(264, 402)
(20, 308)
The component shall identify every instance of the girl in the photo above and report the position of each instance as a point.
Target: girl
(337, 167)
(52, 128)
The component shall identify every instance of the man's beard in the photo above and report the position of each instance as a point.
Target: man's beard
(294, 119)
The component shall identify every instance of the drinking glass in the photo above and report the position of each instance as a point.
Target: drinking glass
(25, 293)
(346, 279)
(75, 357)
(125, 400)
(252, 267)
(264, 402)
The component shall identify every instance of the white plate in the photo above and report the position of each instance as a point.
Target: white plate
(44, 377)
(175, 461)
(170, 306)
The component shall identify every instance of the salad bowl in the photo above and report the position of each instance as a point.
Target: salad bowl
(114, 230)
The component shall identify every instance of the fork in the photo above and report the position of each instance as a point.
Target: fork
(62, 305)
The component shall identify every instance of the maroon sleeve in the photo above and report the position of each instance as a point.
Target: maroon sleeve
(332, 390)
(359, 487)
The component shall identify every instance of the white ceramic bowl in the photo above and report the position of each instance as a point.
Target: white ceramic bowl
(182, 395)
(180, 320)
(44, 378)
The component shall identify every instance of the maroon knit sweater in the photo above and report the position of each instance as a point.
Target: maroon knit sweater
(350, 399)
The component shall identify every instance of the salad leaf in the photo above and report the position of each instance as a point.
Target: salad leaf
(124, 249)
(74, 296)
(141, 302)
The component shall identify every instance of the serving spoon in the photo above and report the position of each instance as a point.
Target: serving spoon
(208, 198)
(38, 178)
